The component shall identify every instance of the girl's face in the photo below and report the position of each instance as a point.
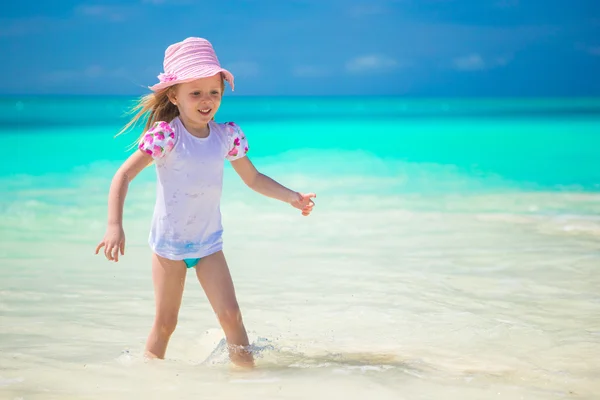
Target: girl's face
(198, 101)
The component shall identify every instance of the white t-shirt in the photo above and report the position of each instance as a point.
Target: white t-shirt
(187, 217)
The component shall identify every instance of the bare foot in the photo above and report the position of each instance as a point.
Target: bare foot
(148, 356)
(241, 356)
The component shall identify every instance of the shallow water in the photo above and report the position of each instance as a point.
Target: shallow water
(420, 275)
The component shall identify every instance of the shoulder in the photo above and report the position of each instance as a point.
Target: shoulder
(159, 139)
(230, 131)
(237, 143)
(228, 128)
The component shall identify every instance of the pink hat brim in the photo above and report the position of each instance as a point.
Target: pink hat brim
(226, 74)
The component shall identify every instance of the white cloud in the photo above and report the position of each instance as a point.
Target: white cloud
(592, 50)
(502, 61)
(506, 3)
(475, 62)
(90, 72)
(364, 10)
(310, 71)
(245, 69)
(110, 13)
(42, 24)
(169, 2)
(93, 71)
(472, 62)
(27, 26)
(371, 63)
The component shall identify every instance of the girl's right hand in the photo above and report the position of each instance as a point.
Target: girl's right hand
(113, 243)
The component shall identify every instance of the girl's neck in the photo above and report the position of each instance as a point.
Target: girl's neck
(200, 131)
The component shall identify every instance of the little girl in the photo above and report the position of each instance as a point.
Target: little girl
(189, 148)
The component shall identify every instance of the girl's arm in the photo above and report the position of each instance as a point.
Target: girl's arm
(114, 239)
(268, 187)
(120, 183)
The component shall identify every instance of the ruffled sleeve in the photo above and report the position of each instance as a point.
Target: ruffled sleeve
(158, 140)
(238, 144)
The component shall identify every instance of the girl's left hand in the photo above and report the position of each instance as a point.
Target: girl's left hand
(303, 202)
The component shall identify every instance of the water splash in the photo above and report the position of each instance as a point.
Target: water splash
(220, 355)
(269, 356)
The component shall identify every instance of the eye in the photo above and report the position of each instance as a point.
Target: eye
(196, 93)
(215, 92)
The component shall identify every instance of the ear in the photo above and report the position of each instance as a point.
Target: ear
(172, 97)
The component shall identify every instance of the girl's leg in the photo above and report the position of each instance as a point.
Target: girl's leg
(169, 279)
(213, 274)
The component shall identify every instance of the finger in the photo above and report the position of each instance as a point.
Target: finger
(100, 245)
(108, 252)
(123, 247)
(116, 254)
(309, 195)
(308, 203)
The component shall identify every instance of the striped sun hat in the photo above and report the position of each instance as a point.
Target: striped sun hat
(189, 60)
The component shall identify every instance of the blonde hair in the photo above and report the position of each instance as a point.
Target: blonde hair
(158, 107)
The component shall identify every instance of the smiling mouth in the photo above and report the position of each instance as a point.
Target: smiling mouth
(205, 111)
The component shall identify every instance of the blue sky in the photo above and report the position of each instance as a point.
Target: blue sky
(310, 47)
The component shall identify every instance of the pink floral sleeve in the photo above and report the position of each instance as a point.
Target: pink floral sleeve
(158, 140)
(238, 144)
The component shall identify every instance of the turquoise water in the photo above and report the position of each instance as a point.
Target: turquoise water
(453, 253)
(548, 143)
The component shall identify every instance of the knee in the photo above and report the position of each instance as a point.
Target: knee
(166, 326)
(231, 317)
